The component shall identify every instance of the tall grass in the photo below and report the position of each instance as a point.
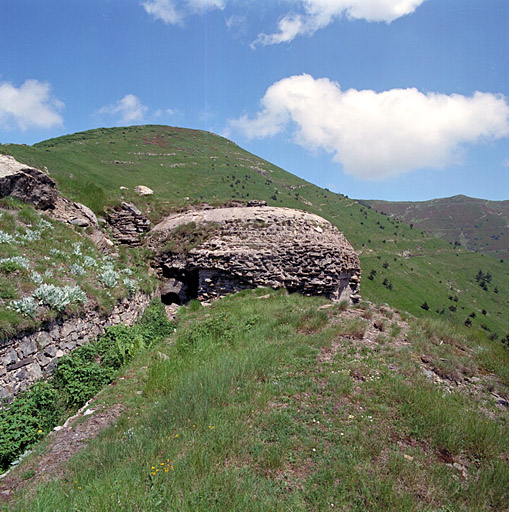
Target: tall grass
(242, 414)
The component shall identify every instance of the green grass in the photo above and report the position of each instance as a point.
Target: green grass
(275, 404)
(91, 166)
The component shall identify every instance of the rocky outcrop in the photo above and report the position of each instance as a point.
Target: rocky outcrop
(231, 249)
(26, 183)
(127, 224)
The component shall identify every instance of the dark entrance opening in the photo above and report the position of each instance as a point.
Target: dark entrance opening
(170, 298)
(179, 286)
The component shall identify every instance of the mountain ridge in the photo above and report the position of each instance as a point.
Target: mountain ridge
(479, 225)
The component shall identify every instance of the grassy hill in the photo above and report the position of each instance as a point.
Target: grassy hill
(269, 401)
(263, 400)
(477, 224)
(403, 266)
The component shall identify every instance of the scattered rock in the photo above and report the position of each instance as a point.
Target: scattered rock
(142, 190)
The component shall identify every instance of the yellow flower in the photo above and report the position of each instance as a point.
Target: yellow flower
(152, 467)
(152, 473)
(79, 488)
(161, 463)
(39, 431)
(171, 467)
(176, 435)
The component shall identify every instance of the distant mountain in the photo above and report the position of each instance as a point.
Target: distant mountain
(477, 224)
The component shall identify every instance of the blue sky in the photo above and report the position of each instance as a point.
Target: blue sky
(386, 99)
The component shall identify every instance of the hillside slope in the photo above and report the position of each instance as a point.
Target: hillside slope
(477, 224)
(269, 401)
(403, 266)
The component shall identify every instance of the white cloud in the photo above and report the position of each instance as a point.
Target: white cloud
(163, 10)
(128, 110)
(205, 5)
(320, 13)
(29, 106)
(168, 12)
(377, 134)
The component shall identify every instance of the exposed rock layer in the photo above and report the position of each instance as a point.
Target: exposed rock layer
(26, 183)
(127, 224)
(241, 248)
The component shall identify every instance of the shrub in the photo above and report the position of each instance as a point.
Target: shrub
(34, 412)
(5, 238)
(25, 306)
(109, 278)
(77, 270)
(58, 298)
(78, 377)
(9, 265)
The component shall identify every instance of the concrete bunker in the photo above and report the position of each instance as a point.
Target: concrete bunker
(249, 247)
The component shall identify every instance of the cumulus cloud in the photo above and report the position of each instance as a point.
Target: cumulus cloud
(320, 13)
(173, 12)
(128, 110)
(377, 134)
(29, 106)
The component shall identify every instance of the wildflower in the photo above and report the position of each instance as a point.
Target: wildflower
(212, 427)
(39, 431)
(176, 435)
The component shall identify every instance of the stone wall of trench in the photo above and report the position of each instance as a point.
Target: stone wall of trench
(29, 357)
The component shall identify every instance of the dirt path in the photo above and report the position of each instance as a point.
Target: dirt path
(62, 445)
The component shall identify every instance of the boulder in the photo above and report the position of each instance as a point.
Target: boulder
(26, 183)
(142, 190)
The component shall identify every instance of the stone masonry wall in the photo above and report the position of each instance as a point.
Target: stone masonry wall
(259, 246)
(30, 357)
